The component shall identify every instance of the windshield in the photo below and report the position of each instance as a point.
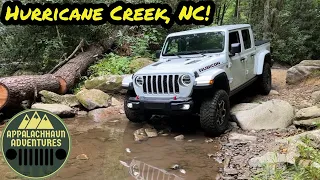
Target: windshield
(210, 42)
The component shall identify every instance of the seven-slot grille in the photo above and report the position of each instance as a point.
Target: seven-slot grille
(161, 84)
(35, 157)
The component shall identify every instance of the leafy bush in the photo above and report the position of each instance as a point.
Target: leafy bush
(111, 64)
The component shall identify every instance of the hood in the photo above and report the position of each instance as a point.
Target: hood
(184, 64)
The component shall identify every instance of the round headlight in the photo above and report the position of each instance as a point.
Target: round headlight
(185, 80)
(139, 81)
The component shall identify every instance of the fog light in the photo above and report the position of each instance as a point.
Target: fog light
(130, 105)
(186, 107)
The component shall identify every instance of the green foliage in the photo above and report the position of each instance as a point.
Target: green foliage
(78, 87)
(111, 64)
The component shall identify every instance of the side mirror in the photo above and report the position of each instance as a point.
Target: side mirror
(158, 52)
(235, 48)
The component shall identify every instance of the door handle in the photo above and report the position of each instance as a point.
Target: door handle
(253, 55)
(242, 59)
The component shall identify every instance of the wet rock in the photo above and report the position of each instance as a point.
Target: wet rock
(92, 99)
(241, 138)
(115, 102)
(175, 167)
(82, 113)
(273, 114)
(301, 71)
(307, 124)
(308, 113)
(151, 132)
(274, 93)
(316, 97)
(179, 138)
(140, 135)
(128, 150)
(230, 171)
(57, 109)
(270, 158)
(53, 98)
(82, 157)
(107, 83)
(209, 140)
(99, 115)
(183, 171)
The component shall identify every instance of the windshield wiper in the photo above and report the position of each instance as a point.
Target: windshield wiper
(194, 52)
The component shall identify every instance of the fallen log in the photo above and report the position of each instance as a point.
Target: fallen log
(71, 72)
(15, 89)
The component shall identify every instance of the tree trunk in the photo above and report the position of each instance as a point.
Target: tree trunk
(15, 89)
(72, 70)
(218, 15)
(223, 13)
(236, 10)
(266, 21)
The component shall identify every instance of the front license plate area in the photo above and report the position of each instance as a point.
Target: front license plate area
(154, 105)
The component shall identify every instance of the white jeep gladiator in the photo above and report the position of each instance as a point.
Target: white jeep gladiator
(197, 71)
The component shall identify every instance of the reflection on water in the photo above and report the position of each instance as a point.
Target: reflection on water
(143, 171)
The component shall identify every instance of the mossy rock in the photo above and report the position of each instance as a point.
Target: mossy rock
(53, 98)
(139, 63)
(93, 99)
(107, 83)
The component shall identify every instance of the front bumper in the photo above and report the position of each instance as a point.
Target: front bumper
(161, 106)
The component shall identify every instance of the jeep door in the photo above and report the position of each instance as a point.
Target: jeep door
(248, 52)
(237, 66)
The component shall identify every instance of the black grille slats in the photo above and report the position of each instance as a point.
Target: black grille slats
(161, 84)
(35, 157)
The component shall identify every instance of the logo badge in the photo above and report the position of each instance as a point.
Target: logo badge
(36, 143)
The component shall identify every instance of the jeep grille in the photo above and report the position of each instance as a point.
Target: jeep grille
(161, 84)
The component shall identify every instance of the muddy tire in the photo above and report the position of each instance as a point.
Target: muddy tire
(215, 113)
(134, 116)
(264, 82)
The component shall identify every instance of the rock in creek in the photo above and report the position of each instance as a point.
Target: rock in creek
(92, 99)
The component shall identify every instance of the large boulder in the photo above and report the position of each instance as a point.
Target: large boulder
(102, 114)
(308, 113)
(302, 71)
(273, 114)
(94, 98)
(139, 63)
(107, 83)
(53, 98)
(57, 109)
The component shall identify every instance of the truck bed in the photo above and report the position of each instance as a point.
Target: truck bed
(261, 42)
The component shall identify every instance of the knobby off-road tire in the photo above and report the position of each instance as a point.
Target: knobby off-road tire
(134, 116)
(215, 113)
(265, 80)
